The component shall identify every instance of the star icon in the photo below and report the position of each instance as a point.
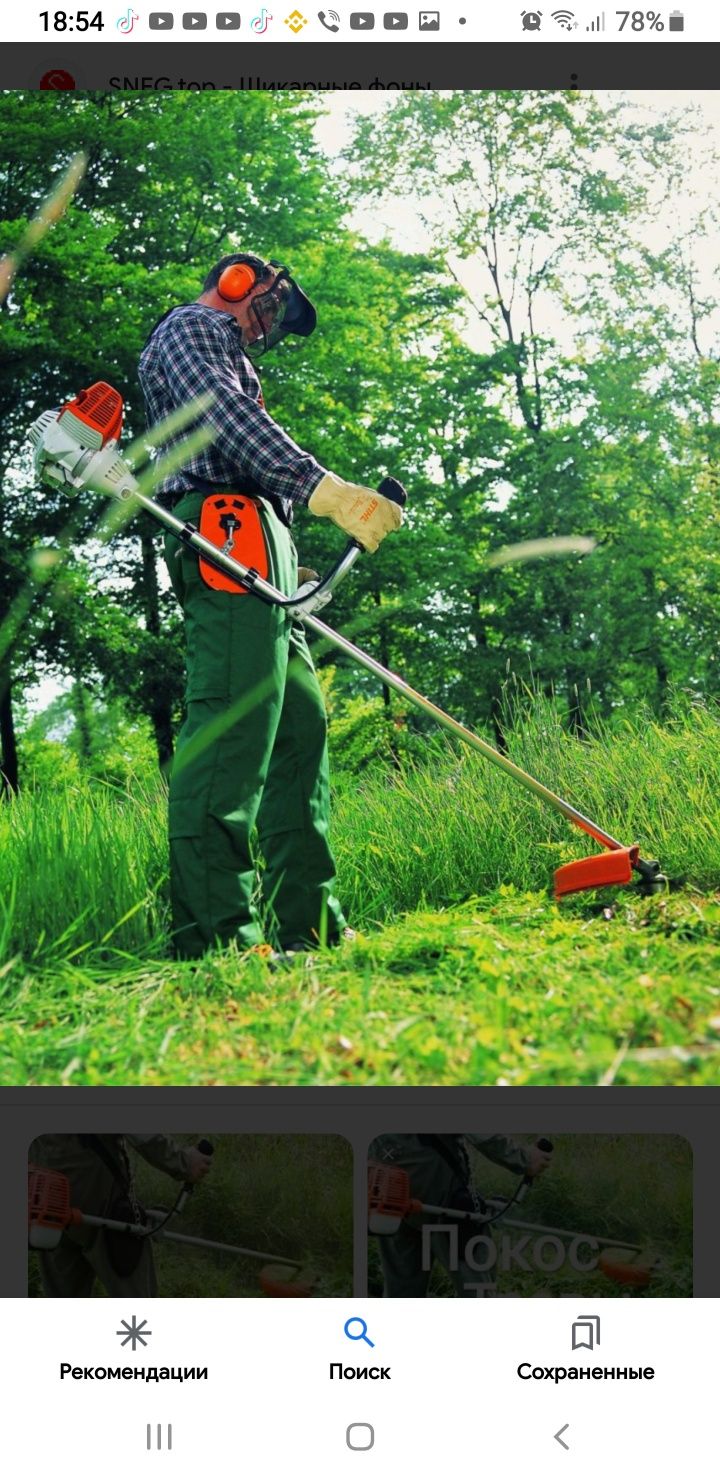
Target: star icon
(134, 1332)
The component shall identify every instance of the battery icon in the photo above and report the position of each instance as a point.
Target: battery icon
(677, 20)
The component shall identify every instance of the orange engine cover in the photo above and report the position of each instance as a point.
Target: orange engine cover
(100, 409)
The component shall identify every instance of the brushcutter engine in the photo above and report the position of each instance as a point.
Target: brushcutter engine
(49, 1209)
(390, 1199)
(76, 447)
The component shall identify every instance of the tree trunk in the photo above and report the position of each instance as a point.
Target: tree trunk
(160, 707)
(83, 721)
(9, 784)
(657, 656)
(161, 718)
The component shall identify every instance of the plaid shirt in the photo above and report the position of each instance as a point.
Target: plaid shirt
(196, 349)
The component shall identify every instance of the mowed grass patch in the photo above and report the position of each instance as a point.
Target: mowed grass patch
(510, 989)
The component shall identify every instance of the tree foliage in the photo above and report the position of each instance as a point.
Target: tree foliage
(531, 369)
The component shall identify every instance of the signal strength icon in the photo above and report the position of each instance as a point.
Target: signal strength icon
(598, 24)
(566, 19)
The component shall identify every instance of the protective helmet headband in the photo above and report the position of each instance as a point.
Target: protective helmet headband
(283, 309)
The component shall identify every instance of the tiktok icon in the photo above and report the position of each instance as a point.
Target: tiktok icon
(260, 22)
(127, 21)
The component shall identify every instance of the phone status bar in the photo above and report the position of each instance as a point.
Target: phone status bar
(295, 24)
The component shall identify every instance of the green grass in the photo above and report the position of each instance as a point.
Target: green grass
(465, 970)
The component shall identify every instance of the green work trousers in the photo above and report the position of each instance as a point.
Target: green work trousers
(251, 755)
(72, 1269)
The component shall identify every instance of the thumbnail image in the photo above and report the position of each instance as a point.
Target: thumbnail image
(494, 1215)
(359, 632)
(228, 1215)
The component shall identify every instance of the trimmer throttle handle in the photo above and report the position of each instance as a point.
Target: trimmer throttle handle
(542, 1145)
(392, 489)
(189, 1187)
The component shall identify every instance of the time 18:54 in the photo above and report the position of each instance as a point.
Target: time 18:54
(65, 20)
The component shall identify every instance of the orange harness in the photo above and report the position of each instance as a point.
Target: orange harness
(232, 522)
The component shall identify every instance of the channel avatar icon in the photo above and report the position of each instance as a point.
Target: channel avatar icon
(260, 23)
(57, 80)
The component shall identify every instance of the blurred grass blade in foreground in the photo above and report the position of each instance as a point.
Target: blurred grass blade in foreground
(52, 209)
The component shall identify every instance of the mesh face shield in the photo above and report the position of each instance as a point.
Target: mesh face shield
(283, 309)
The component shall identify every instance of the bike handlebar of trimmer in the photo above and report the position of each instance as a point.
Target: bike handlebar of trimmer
(391, 489)
(188, 1187)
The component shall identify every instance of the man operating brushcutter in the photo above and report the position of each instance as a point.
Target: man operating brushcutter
(100, 1173)
(440, 1175)
(253, 749)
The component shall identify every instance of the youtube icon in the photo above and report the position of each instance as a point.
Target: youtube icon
(362, 20)
(194, 20)
(396, 20)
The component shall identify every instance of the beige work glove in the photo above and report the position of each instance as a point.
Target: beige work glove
(365, 515)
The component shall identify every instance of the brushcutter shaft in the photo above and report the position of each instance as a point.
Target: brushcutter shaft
(143, 1230)
(572, 1233)
(454, 727)
(464, 1215)
(170, 1236)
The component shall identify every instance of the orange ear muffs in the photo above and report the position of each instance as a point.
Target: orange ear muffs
(237, 281)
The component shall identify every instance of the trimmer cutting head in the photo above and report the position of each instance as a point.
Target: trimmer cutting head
(613, 866)
(280, 1281)
(628, 1268)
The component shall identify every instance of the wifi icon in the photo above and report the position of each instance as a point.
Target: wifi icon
(566, 19)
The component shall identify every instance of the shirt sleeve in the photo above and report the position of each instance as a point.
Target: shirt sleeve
(198, 358)
(504, 1150)
(162, 1152)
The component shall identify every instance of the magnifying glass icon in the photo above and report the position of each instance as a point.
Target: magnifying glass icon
(359, 1334)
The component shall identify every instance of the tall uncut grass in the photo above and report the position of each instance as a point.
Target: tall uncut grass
(457, 826)
(85, 866)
